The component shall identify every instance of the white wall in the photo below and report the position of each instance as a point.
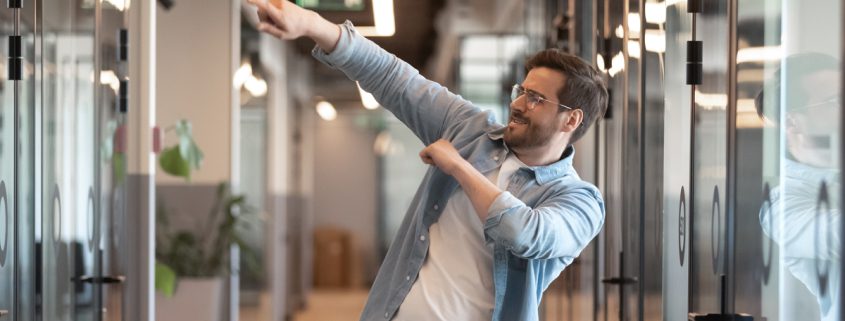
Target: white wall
(194, 53)
(346, 182)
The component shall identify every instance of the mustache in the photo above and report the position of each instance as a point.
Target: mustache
(518, 115)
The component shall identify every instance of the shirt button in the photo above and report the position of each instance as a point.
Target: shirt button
(436, 207)
(496, 158)
(386, 314)
(422, 238)
(408, 278)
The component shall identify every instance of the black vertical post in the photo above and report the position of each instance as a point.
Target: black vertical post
(842, 146)
(731, 171)
(15, 65)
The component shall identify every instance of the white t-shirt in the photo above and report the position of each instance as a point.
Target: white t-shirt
(456, 279)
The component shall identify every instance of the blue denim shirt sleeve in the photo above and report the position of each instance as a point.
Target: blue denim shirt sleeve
(426, 107)
(560, 226)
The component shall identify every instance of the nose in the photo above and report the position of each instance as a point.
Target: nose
(519, 104)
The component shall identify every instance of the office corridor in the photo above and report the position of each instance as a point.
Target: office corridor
(676, 160)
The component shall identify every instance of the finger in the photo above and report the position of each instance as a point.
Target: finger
(275, 14)
(269, 11)
(425, 157)
(427, 160)
(261, 5)
(262, 16)
(272, 30)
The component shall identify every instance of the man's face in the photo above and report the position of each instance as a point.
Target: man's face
(531, 128)
(812, 130)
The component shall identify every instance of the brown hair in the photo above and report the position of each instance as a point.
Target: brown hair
(794, 67)
(583, 89)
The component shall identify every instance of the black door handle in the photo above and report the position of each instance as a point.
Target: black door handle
(103, 280)
(720, 317)
(619, 281)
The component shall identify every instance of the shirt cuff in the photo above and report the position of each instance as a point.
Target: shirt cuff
(344, 49)
(500, 206)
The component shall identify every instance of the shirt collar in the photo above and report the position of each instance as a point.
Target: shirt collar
(545, 173)
(804, 172)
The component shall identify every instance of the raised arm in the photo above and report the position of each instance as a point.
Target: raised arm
(426, 107)
(287, 21)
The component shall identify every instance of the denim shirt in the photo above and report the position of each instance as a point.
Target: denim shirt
(537, 227)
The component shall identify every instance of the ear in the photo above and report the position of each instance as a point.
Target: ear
(571, 120)
(793, 126)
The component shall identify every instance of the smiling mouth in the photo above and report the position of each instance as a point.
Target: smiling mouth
(518, 121)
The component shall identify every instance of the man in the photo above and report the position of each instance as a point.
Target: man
(804, 97)
(502, 212)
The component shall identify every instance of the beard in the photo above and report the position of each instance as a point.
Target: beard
(523, 133)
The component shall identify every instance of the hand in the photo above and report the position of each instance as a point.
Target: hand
(283, 19)
(443, 155)
(287, 21)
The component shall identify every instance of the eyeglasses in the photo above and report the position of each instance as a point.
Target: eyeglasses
(834, 101)
(531, 97)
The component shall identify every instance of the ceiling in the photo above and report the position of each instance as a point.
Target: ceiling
(413, 42)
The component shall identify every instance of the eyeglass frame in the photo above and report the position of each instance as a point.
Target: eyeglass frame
(833, 100)
(518, 91)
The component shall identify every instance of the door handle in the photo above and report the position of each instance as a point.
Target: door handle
(103, 280)
(619, 281)
(108, 279)
(720, 317)
(3, 313)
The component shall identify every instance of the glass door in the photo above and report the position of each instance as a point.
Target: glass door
(17, 108)
(112, 49)
(677, 142)
(70, 156)
(652, 39)
(709, 172)
(8, 105)
(789, 104)
(53, 156)
(615, 181)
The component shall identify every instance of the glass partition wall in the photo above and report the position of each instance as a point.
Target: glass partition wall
(63, 166)
(719, 160)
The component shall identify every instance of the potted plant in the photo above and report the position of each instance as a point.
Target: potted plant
(192, 264)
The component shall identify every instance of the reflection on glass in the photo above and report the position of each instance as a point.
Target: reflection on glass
(804, 102)
(6, 176)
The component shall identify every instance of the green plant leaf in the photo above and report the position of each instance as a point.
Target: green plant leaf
(165, 279)
(118, 167)
(172, 163)
(188, 148)
(185, 157)
(184, 133)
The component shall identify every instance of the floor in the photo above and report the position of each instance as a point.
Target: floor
(323, 305)
(333, 305)
(345, 305)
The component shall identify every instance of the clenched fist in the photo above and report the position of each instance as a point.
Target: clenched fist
(443, 155)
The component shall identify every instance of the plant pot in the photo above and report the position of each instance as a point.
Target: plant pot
(196, 299)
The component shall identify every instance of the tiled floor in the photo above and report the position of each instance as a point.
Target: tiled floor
(333, 305)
